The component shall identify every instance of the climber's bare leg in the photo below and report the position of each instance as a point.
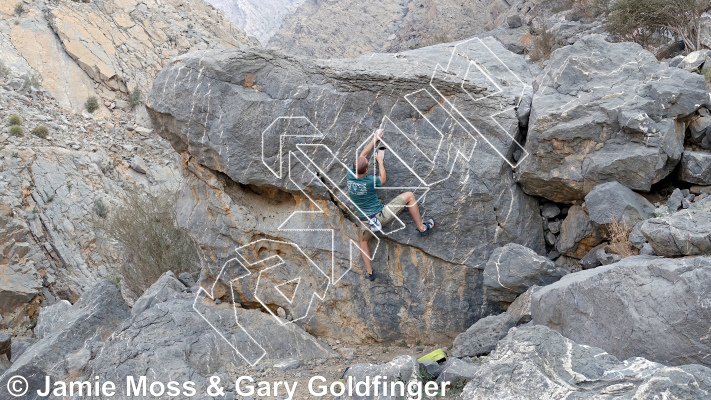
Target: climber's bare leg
(365, 253)
(411, 204)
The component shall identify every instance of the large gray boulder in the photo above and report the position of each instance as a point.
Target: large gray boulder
(481, 338)
(227, 111)
(512, 269)
(605, 112)
(457, 372)
(578, 233)
(402, 368)
(537, 363)
(685, 233)
(520, 309)
(173, 338)
(696, 167)
(639, 307)
(65, 349)
(613, 202)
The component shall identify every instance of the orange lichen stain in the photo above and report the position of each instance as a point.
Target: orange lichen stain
(249, 80)
(396, 266)
(526, 39)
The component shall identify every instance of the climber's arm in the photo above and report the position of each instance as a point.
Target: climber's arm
(369, 147)
(380, 157)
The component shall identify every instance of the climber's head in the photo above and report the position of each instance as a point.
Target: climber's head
(360, 166)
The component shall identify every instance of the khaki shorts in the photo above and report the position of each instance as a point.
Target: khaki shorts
(385, 216)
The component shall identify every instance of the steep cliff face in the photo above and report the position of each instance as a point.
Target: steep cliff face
(266, 139)
(124, 44)
(330, 29)
(79, 49)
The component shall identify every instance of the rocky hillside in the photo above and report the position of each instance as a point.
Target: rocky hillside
(106, 48)
(62, 167)
(332, 29)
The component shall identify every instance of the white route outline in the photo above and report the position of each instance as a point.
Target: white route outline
(334, 185)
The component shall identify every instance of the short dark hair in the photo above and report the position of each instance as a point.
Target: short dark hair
(360, 165)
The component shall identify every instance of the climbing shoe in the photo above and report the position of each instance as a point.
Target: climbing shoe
(428, 225)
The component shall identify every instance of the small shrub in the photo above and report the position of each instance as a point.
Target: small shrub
(19, 9)
(592, 8)
(92, 104)
(100, 208)
(41, 131)
(17, 22)
(619, 236)
(707, 74)
(4, 70)
(15, 120)
(32, 81)
(145, 226)
(543, 41)
(649, 22)
(135, 97)
(16, 130)
(15, 154)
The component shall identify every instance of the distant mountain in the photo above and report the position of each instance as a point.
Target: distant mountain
(332, 29)
(258, 18)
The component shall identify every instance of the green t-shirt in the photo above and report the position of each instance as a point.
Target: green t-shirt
(363, 194)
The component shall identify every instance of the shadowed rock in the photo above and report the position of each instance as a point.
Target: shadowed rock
(512, 269)
(81, 332)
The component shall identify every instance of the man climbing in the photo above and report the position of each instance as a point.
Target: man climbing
(372, 213)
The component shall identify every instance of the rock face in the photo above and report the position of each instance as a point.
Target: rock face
(124, 44)
(21, 283)
(696, 167)
(168, 337)
(50, 247)
(70, 46)
(31, 44)
(639, 307)
(69, 346)
(520, 309)
(333, 29)
(686, 233)
(50, 318)
(612, 202)
(512, 269)
(582, 133)
(553, 367)
(578, 234)
(481, 338)
(211, 106)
